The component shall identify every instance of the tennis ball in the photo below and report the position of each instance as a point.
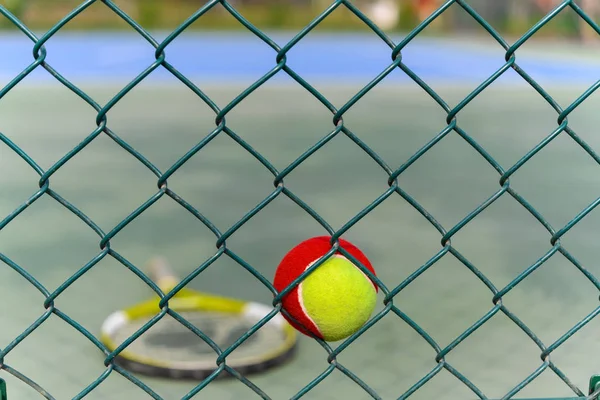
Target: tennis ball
(334, 300)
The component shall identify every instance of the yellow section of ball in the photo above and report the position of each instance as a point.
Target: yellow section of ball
(338, 297)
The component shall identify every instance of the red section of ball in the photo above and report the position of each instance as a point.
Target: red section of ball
(293, 265)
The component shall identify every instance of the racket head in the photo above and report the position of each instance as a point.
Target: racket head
(171, 350)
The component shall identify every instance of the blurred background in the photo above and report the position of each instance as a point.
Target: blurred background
(509, 17)
(161, 118)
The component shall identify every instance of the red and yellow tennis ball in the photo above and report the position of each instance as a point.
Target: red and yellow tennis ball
(334, 300)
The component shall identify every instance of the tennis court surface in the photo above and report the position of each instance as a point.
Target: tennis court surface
(162, 119)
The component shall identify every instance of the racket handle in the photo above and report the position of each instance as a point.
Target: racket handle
(161, 272)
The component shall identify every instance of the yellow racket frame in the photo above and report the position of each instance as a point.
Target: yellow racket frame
(191, 300)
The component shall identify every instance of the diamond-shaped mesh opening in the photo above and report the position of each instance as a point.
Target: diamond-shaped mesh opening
(513, 357)
(257, 54)
(553, 195)
(471, 176)
(448, 312)
(41, 114)
(521, 128)
(297, 114)
(169, 196)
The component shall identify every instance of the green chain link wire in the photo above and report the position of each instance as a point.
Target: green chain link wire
(3, 394)
(39, 56)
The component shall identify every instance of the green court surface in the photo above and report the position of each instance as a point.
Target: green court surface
(224, 182)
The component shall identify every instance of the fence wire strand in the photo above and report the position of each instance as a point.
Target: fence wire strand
(221, 128)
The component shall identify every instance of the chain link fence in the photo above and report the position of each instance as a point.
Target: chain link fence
(280, 66)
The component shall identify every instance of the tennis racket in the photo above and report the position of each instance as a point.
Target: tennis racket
(169, 349)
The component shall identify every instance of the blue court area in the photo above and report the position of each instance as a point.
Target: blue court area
(231, 57)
